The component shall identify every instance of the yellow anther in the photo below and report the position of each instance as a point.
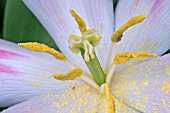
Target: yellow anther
(71, 75)
(117, 35)
(123, 58)
(37, 47)
(110, 101)
(80, 22)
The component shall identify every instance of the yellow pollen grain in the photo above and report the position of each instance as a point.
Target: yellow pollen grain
(110, 101)
(167, 70)
(164, 104)
(80, 22)
(71, 75)
(145, 98)
(37, 47)
(116, 36)
(144, 83)
(166, 87)
(123, 58)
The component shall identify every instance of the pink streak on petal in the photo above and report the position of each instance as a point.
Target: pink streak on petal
(6, 69)
(156, 8)
(4, 54)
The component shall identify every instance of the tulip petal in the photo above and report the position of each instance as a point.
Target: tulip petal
(56, 18)
(121, 107)
(152, 35)
(77, 99)
(145, 87)
(25, 74)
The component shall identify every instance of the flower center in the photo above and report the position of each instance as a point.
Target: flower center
(85, 45)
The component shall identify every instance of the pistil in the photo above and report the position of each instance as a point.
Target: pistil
(95, 69)
(85, 45)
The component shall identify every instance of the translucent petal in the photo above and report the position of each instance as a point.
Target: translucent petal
(25, 74)
(145, 87)
(152, 35)
(77, 99)
(56, 18)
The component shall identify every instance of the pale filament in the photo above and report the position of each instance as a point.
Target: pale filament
(111, 55)
(85, 77)
(110, 73)
(113, 65)
(90, 81)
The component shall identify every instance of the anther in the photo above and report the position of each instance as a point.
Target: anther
(80, 22)
(123, 58)
(71, 75)
(37, 47)
(110, 101)
(117, 35)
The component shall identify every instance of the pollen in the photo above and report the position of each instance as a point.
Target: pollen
(117, 35)
(110, 101)
(80, 22)
(123, 58)
(71, 75)
(37, 47)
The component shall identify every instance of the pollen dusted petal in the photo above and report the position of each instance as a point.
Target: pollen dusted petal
(117, 35)
(110, 101)
(73, 74)
(25, 74)
(80, 99)
(145, 87)
(123, 58)
(80, 22)
(37, 47)
(152, 35)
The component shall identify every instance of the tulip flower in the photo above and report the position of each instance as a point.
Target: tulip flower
(109, 62)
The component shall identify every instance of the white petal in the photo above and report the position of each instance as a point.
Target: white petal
(152, 35)
(121, 107)
(77, 99)
(145, 87)
(55, 17)
(24, 74)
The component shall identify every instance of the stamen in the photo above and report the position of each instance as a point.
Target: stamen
(117, 35)
(80, 22)
(123, 58)
(71, 75)
(110, 73)
(110, 101)
(37, 47)
(90, 81)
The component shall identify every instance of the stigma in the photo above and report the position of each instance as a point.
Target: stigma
(86, 42)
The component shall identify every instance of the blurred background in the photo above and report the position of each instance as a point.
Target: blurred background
(18, 24)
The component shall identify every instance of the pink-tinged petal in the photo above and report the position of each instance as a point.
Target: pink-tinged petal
(152, 35)
(8, 54)
(77, 99)
(7, 69)
(25, 74)
(56, 18)
(145, 87)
